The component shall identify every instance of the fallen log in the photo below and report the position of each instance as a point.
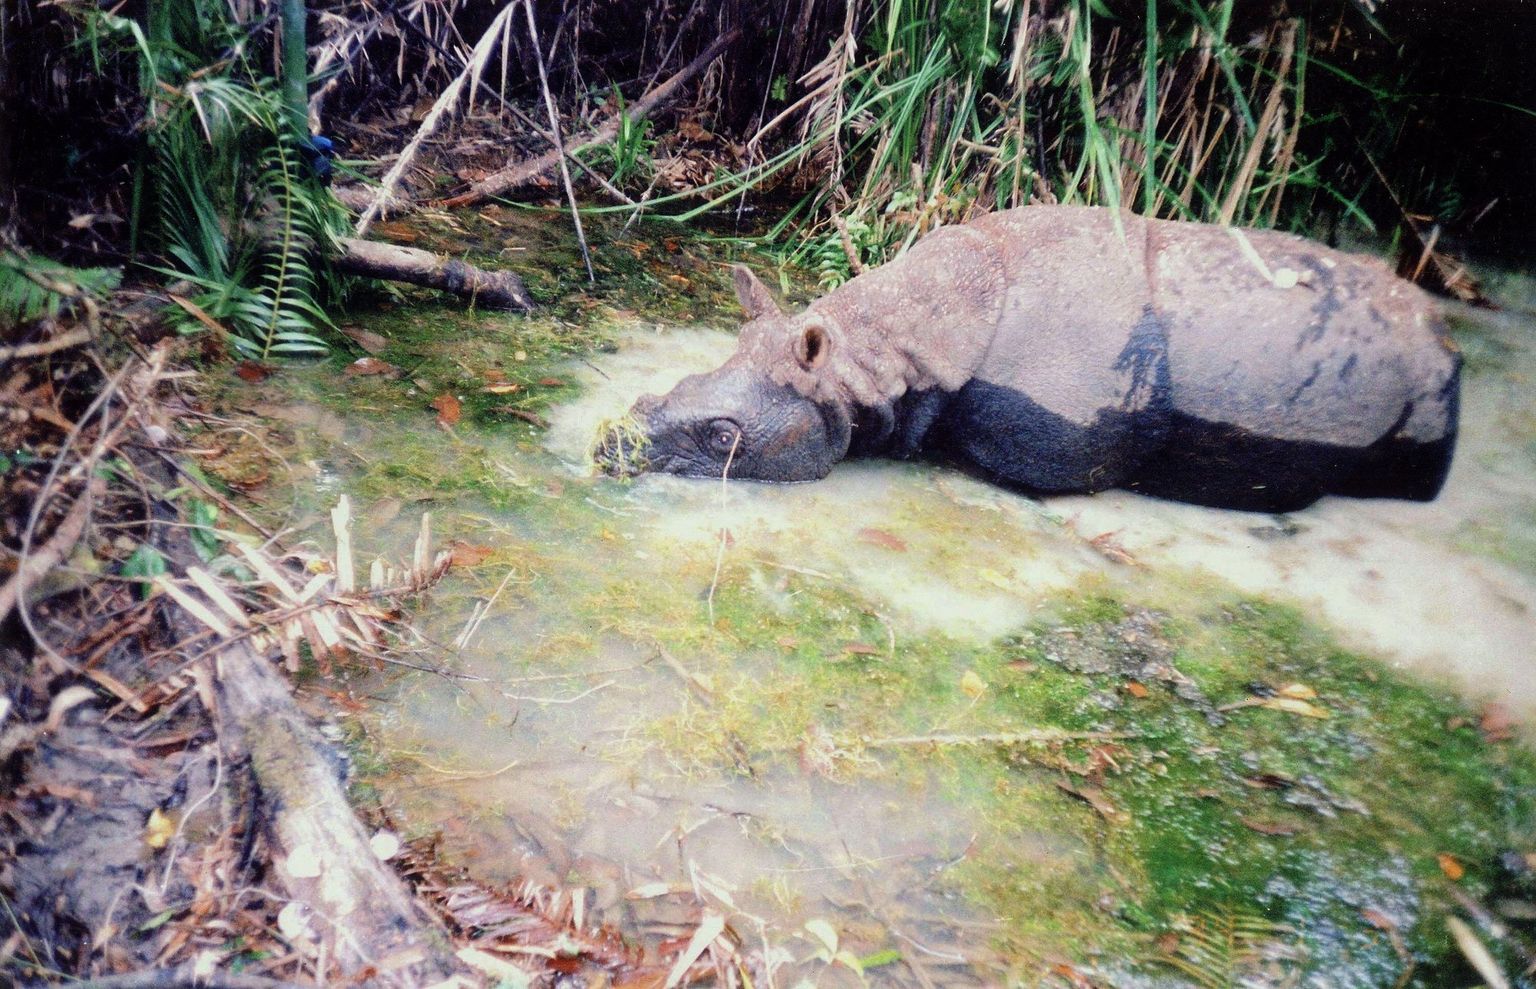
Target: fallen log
(523, 172)
(362, 912)
(496, 289)
(362, 919)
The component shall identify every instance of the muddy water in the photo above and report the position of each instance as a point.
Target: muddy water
(628, 717)
(1447, 588)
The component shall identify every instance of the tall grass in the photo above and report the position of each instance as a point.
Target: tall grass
(925, 112)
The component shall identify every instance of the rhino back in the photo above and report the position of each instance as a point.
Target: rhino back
(1271, 333)
(1296, 370)
(1072, 392)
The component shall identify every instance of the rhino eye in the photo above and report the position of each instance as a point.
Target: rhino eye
(723, 436)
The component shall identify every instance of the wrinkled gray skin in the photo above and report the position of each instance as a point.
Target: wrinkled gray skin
(1053, 349)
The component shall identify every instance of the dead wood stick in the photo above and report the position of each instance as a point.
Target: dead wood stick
(75, 337)
(183, 977)
(522, 118)
(523, 172)
(362, 910)
(447, 99)
(554, 130)
(54, 551)
(1039, 736)
(496, 289)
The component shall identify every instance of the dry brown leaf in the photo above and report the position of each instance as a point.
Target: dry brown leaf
(1496, 723)
(1275, 828)
(1109, 547)
(366, 339)
(552, 382)
(883, 539)
(1137, 690)
(532, 418)
(502, 388)
(369, 365)
(448, 409)
(469, 554)
(1095, 798)
(254, 371)
(860, 649)
(1451, 866)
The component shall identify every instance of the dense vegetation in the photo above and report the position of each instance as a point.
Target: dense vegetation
(167, 146)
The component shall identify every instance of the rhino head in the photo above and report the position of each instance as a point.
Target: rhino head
(740, 419)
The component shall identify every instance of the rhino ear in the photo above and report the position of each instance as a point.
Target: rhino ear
(812, 346)
(754, 296)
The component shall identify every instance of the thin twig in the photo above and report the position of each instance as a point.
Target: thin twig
(554, 130)
(1042, 735)
(720, 554)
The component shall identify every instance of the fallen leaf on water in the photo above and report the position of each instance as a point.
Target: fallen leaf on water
(532, 418)
(1095, 798)
(1269, 827)
(159, 829)
(448, 409)
(883, 539)
(1496, 723)
(254, 371)
(972, 685)
(369, 365)
(1109, 547)
(468, 554)
(1291, 705)
(366, 339)
(1451, 866)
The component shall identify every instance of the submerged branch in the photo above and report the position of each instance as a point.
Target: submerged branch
(372, 259)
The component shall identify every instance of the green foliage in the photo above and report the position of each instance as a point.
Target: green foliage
(935, 108)
(229, 197)
(33, 287)
(203, 515)
(145, 565)
(629, 154)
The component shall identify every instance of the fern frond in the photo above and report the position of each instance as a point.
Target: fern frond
(33, 287)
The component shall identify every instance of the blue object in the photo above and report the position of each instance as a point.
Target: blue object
(318, 151)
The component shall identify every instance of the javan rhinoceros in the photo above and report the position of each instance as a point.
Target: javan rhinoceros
(1055, 349)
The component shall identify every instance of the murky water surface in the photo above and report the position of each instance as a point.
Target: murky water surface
(650, 708)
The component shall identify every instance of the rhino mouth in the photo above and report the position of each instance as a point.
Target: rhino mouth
(620, 448)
